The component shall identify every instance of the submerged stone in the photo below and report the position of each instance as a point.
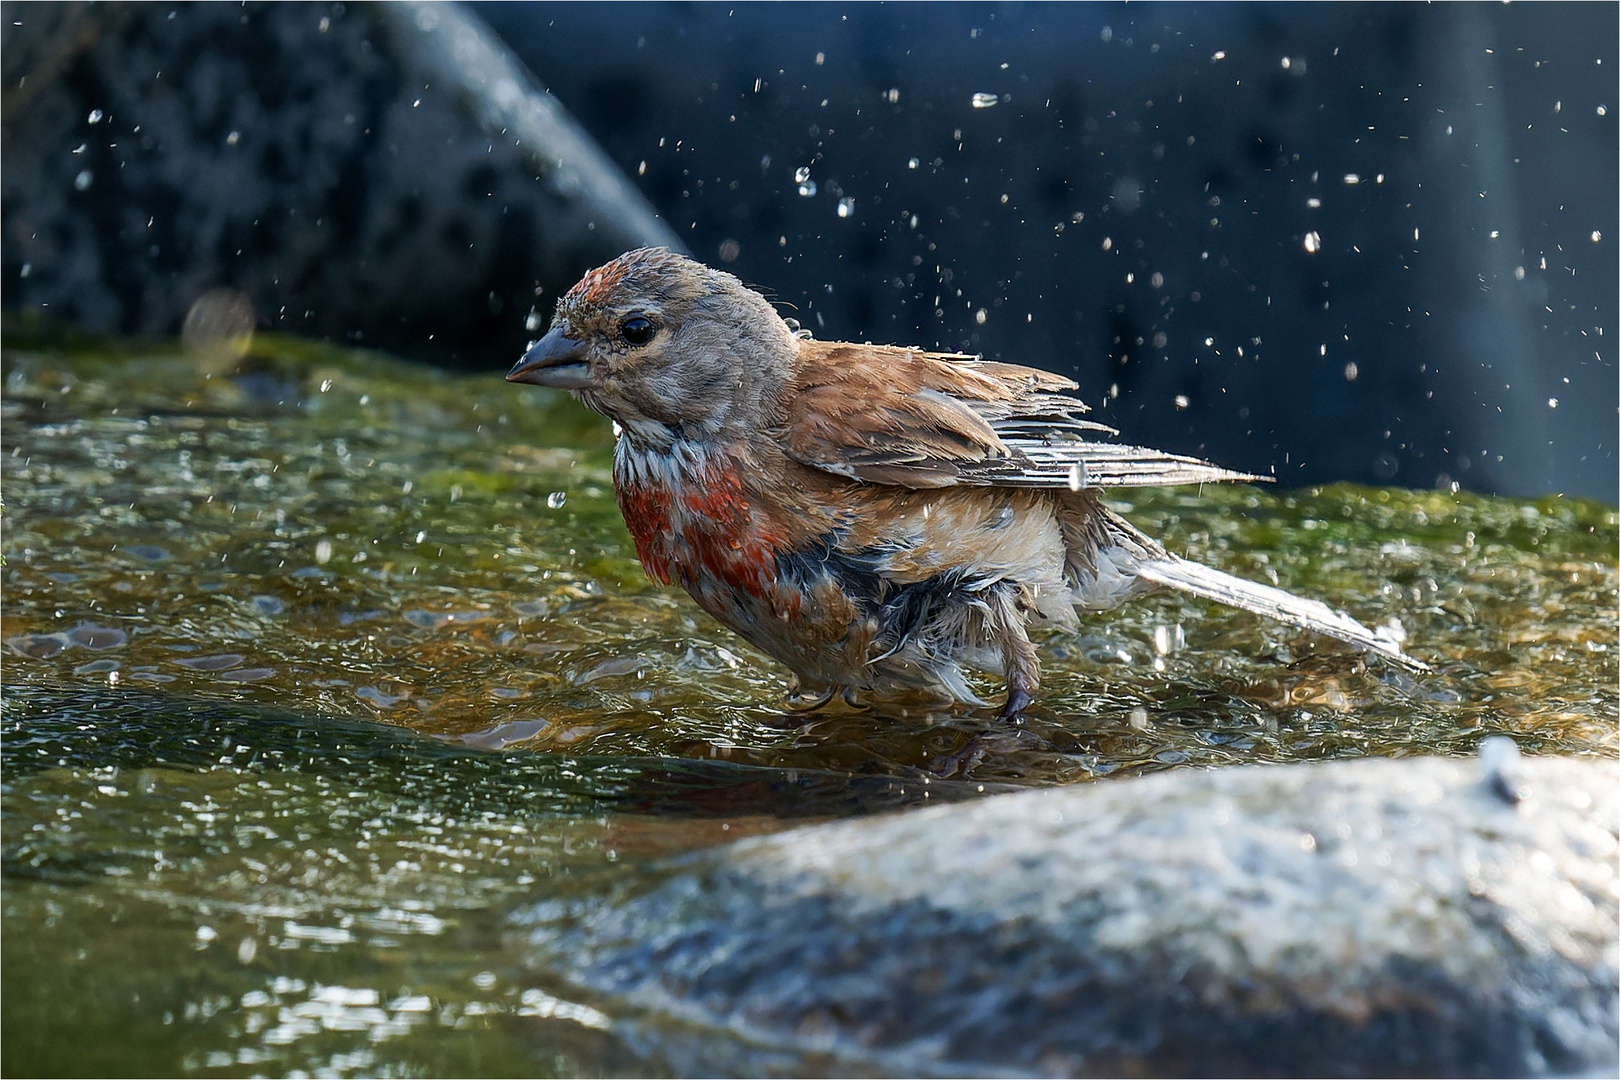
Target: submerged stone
(1341, 918)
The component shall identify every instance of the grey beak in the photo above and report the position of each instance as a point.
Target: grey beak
(556, 360)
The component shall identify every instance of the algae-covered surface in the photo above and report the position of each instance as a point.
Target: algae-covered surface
(318, 664)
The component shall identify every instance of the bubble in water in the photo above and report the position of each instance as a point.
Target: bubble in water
(912, 164)
(1313, 242)
(846, 206)
(323, 552)
(1182, 401)
(556, 499)
(95, 116)
(801, 174)
(982, 100)
(82, 181)
(808, 189)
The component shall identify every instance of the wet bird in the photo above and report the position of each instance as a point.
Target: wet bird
(876, 518)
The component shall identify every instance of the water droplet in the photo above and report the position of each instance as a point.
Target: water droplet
(912, 164)
(1351, 371)
(1313, 242)
(96, 115)
(808, 189)
(846, 206)
(980, 316)
(323, 552)
(982, 100)
(801, 174)
(1596, 236)
(1552, 403)
(556, 499)
(1352, 178)
(82, 181)
(1181, 401)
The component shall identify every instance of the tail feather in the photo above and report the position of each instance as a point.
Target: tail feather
(1273, 603)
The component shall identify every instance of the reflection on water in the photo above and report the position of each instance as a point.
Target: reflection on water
(208, 869)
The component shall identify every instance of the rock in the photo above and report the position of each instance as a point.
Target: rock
(382, 174)
(1344, 918)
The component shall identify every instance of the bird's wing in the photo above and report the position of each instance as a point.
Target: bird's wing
(915, 419)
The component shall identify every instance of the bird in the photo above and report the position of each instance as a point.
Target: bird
(879, 519)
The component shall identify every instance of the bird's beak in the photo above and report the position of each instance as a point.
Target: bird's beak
(556, 360)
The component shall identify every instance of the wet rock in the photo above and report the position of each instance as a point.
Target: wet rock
(378, 173)
(1343, 918)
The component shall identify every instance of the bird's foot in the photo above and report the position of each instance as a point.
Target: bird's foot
(1018, 699)
(798, 701)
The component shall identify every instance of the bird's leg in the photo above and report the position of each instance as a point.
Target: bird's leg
(1018, 699)
(1004, 620)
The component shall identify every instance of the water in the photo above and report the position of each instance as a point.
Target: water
(309, 680)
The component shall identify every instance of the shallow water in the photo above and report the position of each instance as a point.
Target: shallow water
(316, 667)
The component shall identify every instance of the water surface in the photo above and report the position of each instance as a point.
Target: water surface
(318, 665)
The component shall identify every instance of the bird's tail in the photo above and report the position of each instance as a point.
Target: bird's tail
(1150, 563)
(1273, 603)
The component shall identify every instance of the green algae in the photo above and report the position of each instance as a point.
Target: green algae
(316, 664)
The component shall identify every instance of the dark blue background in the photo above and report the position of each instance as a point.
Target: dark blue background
(1134, 209)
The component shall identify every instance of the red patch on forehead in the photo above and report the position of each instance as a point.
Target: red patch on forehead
(595, 287)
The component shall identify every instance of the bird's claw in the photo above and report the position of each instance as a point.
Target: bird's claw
(1018, 699)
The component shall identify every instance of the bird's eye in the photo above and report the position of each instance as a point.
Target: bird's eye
(637, 331)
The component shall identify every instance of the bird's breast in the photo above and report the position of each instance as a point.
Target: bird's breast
(695, 523)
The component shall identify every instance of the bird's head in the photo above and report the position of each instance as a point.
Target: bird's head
(667, 347)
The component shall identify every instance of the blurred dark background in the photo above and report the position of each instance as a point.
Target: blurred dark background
(1337, 241)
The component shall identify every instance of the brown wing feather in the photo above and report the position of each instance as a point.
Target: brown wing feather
(888, 416)
(909, 418)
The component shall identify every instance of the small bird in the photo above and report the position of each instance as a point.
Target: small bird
(876, 518)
